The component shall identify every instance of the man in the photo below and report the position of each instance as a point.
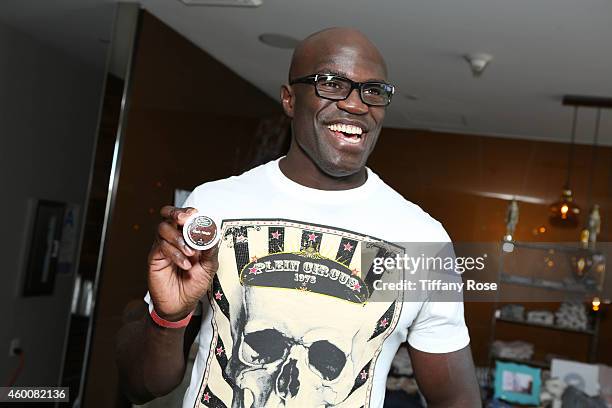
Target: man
(287, 321)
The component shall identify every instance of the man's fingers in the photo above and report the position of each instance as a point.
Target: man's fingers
(175, 255)
(169, 233)
(210, 255)
(175, 214)
(203, 270)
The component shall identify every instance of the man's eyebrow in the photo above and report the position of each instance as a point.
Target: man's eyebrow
(345, 75)
(332, 72)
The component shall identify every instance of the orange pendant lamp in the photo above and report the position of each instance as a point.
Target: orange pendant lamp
(564, 212)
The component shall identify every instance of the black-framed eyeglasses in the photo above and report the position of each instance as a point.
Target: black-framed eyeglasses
(338, 88)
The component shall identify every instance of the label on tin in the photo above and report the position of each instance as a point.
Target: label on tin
(200, 232)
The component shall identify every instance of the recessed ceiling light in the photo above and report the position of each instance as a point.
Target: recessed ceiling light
(228, 3)
(279, 40)
(478, 62)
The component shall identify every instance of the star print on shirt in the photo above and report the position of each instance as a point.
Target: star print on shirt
(276, 235)
(252, 270)
(357, 287)
(348, 246)
(363, 374)
(384, 322)
(218, 295)
(312, 236)
(220, 350)
(206, 397)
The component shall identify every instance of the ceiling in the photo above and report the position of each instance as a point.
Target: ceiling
(542, 49)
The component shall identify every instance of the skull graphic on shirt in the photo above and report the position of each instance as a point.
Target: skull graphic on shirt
(280, 341)
(306, 358)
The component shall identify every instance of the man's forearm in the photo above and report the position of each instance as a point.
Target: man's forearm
(447, 380)
(150, 359)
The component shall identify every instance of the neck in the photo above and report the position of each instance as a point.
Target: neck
(298, 167)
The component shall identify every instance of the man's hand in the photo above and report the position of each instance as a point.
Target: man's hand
(447, 380)
(178, 275)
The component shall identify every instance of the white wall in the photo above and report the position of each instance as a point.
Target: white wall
(48, 115)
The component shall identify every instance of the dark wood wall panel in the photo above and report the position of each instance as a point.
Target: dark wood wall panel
(179, 134)
(454, 177)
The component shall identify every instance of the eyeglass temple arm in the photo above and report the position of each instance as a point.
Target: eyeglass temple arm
(304, 80)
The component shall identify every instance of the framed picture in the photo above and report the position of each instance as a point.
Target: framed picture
(44, 248)
(517, 383)
(584, 377)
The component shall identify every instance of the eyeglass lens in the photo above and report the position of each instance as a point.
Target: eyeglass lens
(338, 88)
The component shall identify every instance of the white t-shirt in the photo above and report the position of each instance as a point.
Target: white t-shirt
(287, 321)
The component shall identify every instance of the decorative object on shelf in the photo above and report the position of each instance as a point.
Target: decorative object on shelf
(408, 385)
(584, 238)
(401, 364)
(512, 217)
(483, 376)
(581, 262)
(588, 268)
(572, 315)
(595, 304)
(522, 266)
(517, 383)
(605, 383)
(584, 377)
(553, 391)
(513, 312)
(574, 398)
(543, 317)
(513, 350)
(593, 226)
(588, 235)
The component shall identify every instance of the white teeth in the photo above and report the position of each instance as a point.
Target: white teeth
(350, 129)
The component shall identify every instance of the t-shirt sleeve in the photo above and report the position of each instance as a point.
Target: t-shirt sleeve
(439, 328)
(440, 324)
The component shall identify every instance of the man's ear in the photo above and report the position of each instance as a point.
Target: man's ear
(287, 99)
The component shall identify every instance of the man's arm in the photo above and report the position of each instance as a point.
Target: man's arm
(447, 380)
(152, 359)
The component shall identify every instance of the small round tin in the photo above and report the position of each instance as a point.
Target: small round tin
(200, 232)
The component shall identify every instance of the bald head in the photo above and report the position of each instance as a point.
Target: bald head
(320, 156)
(317, 48)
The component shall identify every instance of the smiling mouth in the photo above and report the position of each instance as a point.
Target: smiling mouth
(349, 133)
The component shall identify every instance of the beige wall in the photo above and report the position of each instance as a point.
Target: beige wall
(48, 114)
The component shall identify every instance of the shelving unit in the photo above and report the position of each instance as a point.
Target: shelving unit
(589, 332)
(560, 280)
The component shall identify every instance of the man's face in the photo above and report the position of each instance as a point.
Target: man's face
(335, 152)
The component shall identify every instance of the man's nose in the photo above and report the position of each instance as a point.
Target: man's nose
(353, 104)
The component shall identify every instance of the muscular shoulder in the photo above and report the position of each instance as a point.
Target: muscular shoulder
(410, 223)
(228, 189)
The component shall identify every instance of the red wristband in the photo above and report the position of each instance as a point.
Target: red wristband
(168, 324)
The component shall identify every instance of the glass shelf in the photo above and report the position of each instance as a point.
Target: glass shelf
(589, 332)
